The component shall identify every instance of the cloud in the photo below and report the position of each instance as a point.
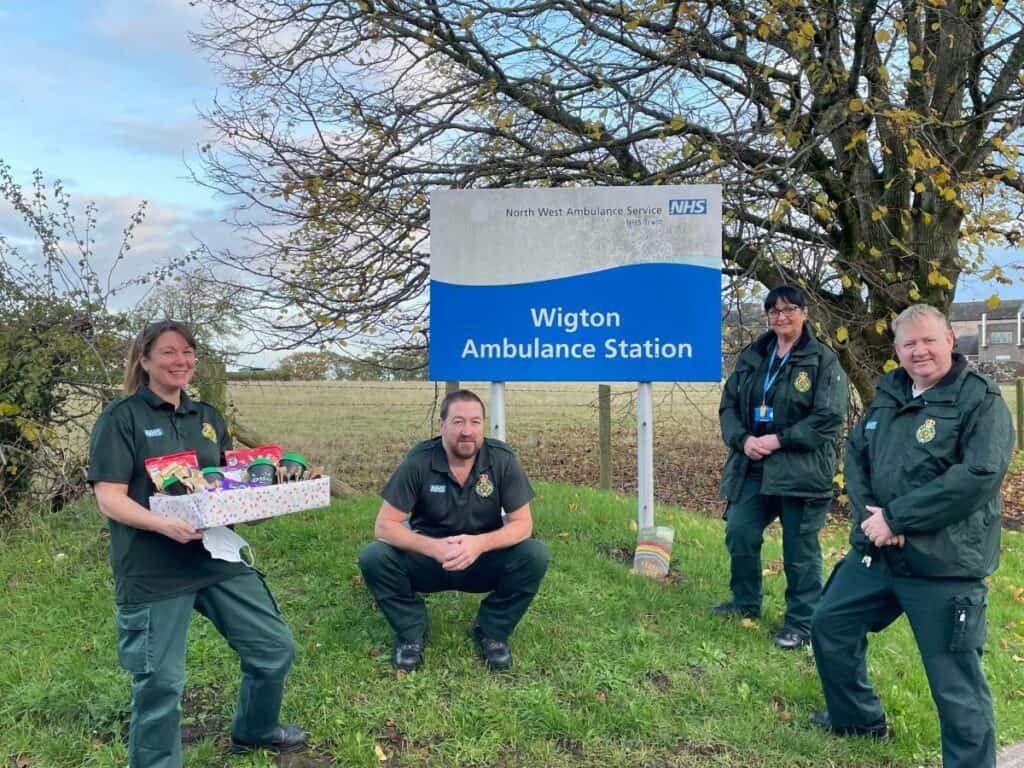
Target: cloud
(166, 234)
(159, 137)
(145, 26)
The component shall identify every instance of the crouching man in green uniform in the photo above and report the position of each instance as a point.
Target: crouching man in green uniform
(440, 528)
(923, 470)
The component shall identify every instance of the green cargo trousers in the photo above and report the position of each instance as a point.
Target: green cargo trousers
(801, 519)
(947, 617)
(151, 644)
(396, 577)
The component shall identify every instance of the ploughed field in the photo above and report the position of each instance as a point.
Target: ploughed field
(361, 430)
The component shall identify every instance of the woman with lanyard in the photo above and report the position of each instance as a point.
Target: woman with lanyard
(162, 572)
(780, 412)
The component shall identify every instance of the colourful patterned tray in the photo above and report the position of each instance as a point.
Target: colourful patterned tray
(206, 510)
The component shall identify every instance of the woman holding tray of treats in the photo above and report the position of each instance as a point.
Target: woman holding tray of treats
(162, 571)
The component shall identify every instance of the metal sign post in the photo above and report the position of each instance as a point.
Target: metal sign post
(645, 454)
(498, 410)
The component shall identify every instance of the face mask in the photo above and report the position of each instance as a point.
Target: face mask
(224, 544)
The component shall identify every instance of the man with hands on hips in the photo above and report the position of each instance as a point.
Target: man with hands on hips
(923, 472)
(442, 526)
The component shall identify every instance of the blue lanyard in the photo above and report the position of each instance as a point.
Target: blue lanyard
(769, 379)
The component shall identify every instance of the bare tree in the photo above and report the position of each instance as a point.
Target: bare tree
(868, 150)
(62, 351)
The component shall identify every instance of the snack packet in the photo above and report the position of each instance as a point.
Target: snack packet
(179, 464)
(240, 458)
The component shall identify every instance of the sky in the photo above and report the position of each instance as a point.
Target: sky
(104, 95)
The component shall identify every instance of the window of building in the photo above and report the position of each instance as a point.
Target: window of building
(1000, 337)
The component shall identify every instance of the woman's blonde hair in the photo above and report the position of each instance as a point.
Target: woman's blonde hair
(135, 375)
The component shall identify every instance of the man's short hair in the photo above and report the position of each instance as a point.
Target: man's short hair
(461, 395)
(916, 312)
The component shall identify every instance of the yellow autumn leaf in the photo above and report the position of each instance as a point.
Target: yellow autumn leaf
(632, 525)
(842, 334)
(839, 480)
(678, 123)
(882, 36)
(890, 365)
(919, 187)
(880, 326)
(380, 753)
(467, 21)
(914, 294)
(857, 137)
(993, 301)
(8, 409)
(917, 63)
(949, 194)
(846, 281)
(856, 105)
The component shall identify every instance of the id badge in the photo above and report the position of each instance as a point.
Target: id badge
(763, 413)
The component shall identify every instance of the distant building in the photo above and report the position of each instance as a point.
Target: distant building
(998, 331)
(992, 339)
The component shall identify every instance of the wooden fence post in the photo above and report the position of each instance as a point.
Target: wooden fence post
(604, 436)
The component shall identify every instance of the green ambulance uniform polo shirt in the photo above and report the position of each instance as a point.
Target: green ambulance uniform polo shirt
(423, 486)
(149, 566)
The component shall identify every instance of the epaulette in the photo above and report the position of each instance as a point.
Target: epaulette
(501, 445)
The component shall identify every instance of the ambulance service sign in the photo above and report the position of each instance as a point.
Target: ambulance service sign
(595, 284)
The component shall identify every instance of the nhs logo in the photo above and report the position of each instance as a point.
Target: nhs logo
(693, 206)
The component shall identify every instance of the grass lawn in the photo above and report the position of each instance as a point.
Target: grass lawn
(610, 669)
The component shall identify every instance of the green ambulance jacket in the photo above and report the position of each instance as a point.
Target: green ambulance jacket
(809, 399)
(935, 464)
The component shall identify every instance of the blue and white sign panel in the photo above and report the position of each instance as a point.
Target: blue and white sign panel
(595, 284)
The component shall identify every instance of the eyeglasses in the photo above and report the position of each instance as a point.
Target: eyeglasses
(787, 311)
